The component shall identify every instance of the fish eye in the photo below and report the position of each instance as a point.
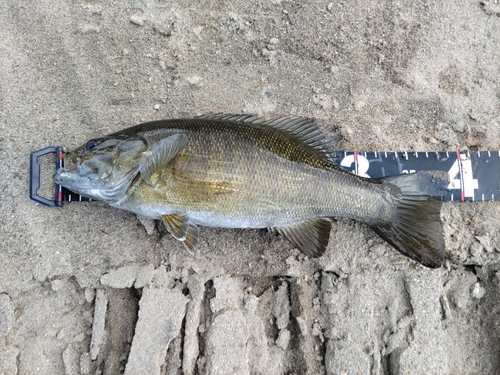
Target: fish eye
(90, 145)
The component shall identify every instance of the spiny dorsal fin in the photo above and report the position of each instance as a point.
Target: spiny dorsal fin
(301, 129)
(156, 158)
(311, 237)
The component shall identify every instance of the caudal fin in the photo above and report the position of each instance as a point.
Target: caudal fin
(415, 227)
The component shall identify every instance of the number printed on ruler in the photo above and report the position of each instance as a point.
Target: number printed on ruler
(361, 164)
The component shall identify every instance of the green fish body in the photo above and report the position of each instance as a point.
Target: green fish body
(241, 171)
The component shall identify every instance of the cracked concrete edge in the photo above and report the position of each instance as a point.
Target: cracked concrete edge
(161, 312)
(98, 331)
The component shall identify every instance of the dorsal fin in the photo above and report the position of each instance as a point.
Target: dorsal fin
(301, 130)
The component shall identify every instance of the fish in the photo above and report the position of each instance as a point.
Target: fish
(243, 171)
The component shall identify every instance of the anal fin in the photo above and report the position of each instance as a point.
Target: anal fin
(310, 237)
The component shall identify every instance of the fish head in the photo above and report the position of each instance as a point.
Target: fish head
(103, 168)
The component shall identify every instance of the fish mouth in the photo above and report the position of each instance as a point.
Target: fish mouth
(69, 178)
(72, 180)
(61, 176)
(67, 171)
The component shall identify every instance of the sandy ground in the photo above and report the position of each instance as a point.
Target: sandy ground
(87, 289)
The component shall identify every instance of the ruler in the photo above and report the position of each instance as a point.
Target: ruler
(474, 176)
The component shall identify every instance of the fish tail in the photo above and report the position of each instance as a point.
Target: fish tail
(415, 228)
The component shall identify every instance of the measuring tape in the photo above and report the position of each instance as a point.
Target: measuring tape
(474, 176)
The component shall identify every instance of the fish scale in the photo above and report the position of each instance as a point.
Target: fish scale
(252, 174)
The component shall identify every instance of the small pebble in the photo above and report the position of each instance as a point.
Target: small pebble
(57, 285)
(302, 326)
(334, 69)
(89, 294)
(156, 107)
(478, 291)
(137, 20)
(149, 224)
(433, 140)
(358, 105)
(80, 337)
(283, 339)
(194, 80)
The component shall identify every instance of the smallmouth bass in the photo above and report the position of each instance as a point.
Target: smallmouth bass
(242, 171)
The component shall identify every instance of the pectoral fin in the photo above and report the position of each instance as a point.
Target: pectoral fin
(179, 227)
(311, 237)
(156, 158)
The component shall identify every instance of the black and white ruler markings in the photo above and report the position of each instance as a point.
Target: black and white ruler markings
(474, 176)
